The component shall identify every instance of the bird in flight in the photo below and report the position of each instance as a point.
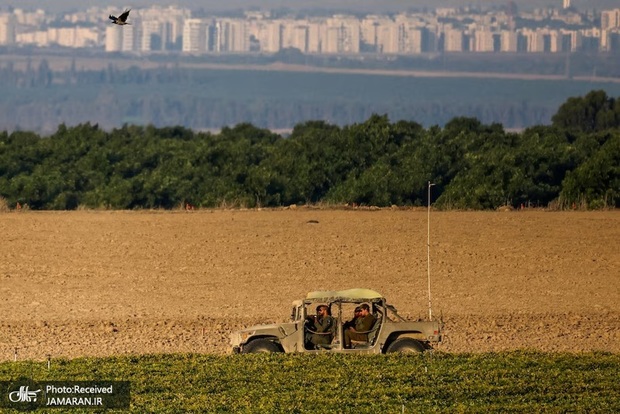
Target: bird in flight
(122, 19)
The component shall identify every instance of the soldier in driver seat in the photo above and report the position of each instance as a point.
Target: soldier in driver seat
(320, 328)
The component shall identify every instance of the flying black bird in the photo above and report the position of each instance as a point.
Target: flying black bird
(122, 19)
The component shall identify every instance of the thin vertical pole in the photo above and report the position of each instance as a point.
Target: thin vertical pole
(428, 251)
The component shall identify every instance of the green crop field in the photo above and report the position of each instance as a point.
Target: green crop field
(524, 382)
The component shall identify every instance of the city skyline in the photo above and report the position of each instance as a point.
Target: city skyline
(354, 6)
(159, 29)
(248, 57)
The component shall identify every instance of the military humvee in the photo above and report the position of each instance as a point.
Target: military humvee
(390, 332)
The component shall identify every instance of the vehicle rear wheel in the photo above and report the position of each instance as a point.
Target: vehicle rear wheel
(406, 345)
(261, 345)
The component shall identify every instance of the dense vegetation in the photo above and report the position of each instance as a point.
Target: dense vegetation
(259, 383)
(574, 163)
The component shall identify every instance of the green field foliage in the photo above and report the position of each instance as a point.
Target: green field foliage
(519, 381)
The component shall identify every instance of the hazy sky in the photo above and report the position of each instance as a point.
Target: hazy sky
(353, 5)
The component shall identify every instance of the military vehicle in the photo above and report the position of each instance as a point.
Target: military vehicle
(389, 333)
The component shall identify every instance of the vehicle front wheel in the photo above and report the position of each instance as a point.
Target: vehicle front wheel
(406, 345)
(261, 345)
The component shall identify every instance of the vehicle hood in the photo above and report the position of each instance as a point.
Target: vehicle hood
(261, 327)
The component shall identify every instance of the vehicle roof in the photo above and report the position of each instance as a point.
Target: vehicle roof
(348, 294)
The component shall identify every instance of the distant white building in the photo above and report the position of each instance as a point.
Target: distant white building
(268, 34)
(152, 36)
(610, 19)
(38, 38)
(484, 41)
(76, 37)
(534, 41)
(129, 38)
(171, 20)
(194, 36)
(377, 31)
(294, 35)
(343, 35)
(414, 34)
(417, 40)
(113, 39)
(317, 33)
(381, 35)
(453, 40)
(231, 35)
(556, 39)
(7, 29)
(509, 41)
(36, 18)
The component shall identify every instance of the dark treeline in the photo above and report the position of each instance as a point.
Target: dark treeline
(573, 162)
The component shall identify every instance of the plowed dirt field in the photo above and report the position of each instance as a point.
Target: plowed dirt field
(96, 283)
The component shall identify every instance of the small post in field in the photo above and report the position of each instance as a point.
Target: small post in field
(428, 250)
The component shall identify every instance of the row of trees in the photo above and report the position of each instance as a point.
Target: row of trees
(475, 166)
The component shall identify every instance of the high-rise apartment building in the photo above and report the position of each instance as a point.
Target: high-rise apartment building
(129, 38)
(294, 34)
(534, 41)
(390, 38)
(610, 28)
(231, 35)
(194, 36)
(238, 40)
(343, 35)
(484, 41)
(373, 30)
(171, 20)
(610, 19)
(556, 41)
(7, 29)
(509, 41)
(151, 36)
(77, 37)
(415, 39)
(269, 36)
(113, 39)
(453, 40)
(317, 33)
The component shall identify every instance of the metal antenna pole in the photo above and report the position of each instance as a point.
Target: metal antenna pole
(428, 251)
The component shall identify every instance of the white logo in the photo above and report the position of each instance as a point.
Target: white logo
(23, 395)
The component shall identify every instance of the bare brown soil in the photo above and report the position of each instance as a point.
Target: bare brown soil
(93, 283)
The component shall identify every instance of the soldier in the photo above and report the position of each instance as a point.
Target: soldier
(320, 327)
(363, 324)
(356, 315)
